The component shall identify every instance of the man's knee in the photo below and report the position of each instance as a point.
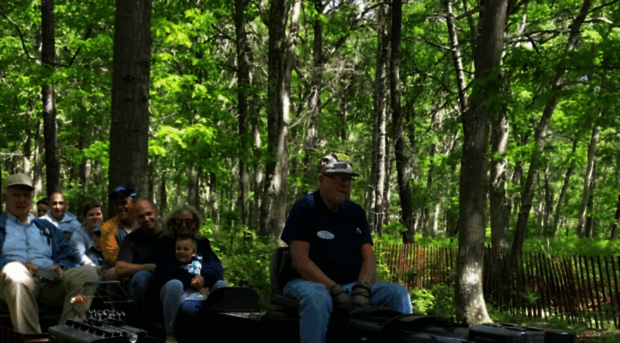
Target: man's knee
(16, 273)
(310, 294)
(141, 279)
(173, 285)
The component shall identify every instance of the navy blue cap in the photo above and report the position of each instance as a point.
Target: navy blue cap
(124, 191)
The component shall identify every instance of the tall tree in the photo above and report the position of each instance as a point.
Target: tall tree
(273, 207)
(470, 305)
(48, 54)
(129, 130)
(527, 193)
(588, 180)
(379, 137)
(243, 83)
(314, 100)
(402, 162)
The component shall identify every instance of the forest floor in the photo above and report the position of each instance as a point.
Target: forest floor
(590, 336)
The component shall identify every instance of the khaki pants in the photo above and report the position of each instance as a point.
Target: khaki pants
(21, 291)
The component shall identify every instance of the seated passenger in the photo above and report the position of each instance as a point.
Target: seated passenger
(331, 249)
(114, 230)
(59, 216)
(136, 259)
(94, 254)
(171, 278)
(82, 239)
(42, 207)
(29, 245)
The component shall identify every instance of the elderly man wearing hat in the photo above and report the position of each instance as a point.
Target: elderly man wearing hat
(37, 263)
(331, 249)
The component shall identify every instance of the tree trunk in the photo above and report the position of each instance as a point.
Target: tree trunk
(258, 168)
(456, 55)
(192, 189)
(48, 58)
(469, 300)
(39, 163)
(588, 180)
(614, 226)
(527, 195)
(163, 194)
(402, 163)
(548, 209)
(498, 204)
(243, 85)
(130, 96)
(314, 100)
(212, 204)
(557, 213)
(273, 207)
(589, 226)
(379, 134)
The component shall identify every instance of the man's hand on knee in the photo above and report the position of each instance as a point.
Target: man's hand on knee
(361, 294)
(340, 298)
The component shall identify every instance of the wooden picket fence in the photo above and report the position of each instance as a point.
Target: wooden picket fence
(576, 289)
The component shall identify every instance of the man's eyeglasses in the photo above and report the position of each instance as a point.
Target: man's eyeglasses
(187, 222)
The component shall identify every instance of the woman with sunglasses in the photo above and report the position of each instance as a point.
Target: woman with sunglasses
(170, 279)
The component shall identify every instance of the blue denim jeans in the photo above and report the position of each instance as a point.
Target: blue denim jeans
(315, 304)
(175, 300)
(137, 287)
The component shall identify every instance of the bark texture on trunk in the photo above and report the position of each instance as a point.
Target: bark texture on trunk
(243, 84)
(314, 101)
(402, 162)
(273, 207)
(469, 300)
(50, 133)
(379, 132)
(498, 204)
(588, 180)
(129, 131)
(558, 208)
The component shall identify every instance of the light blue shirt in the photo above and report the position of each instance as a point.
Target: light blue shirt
(81, 241)
(67, 224)
(26, 243)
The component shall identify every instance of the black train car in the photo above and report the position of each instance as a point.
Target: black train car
(233, 315)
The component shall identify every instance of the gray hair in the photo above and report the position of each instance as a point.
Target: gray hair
(170, 221)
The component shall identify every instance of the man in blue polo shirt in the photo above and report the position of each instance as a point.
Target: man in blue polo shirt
(331, 249)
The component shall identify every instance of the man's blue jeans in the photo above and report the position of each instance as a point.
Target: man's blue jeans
(137, 287)
(315, 304)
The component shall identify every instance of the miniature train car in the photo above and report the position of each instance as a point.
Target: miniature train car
(233, 315)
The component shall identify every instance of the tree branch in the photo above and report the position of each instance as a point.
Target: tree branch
(21, 36)
(603, 5)
(601, 20)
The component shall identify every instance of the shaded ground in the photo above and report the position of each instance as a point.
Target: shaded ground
(598, 337)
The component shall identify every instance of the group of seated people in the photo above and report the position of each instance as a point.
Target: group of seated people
(327, 234)
(170, 261)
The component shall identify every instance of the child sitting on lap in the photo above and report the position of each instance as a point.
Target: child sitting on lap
(186, 248)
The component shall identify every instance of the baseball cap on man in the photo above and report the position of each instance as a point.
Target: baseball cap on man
(19, 179)
(336, 163)
(124, 191)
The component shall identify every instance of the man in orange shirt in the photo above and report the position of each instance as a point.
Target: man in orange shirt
(114, 230)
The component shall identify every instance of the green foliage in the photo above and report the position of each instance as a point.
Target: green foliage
(573, 245)
(438, 301)
(246, 258)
